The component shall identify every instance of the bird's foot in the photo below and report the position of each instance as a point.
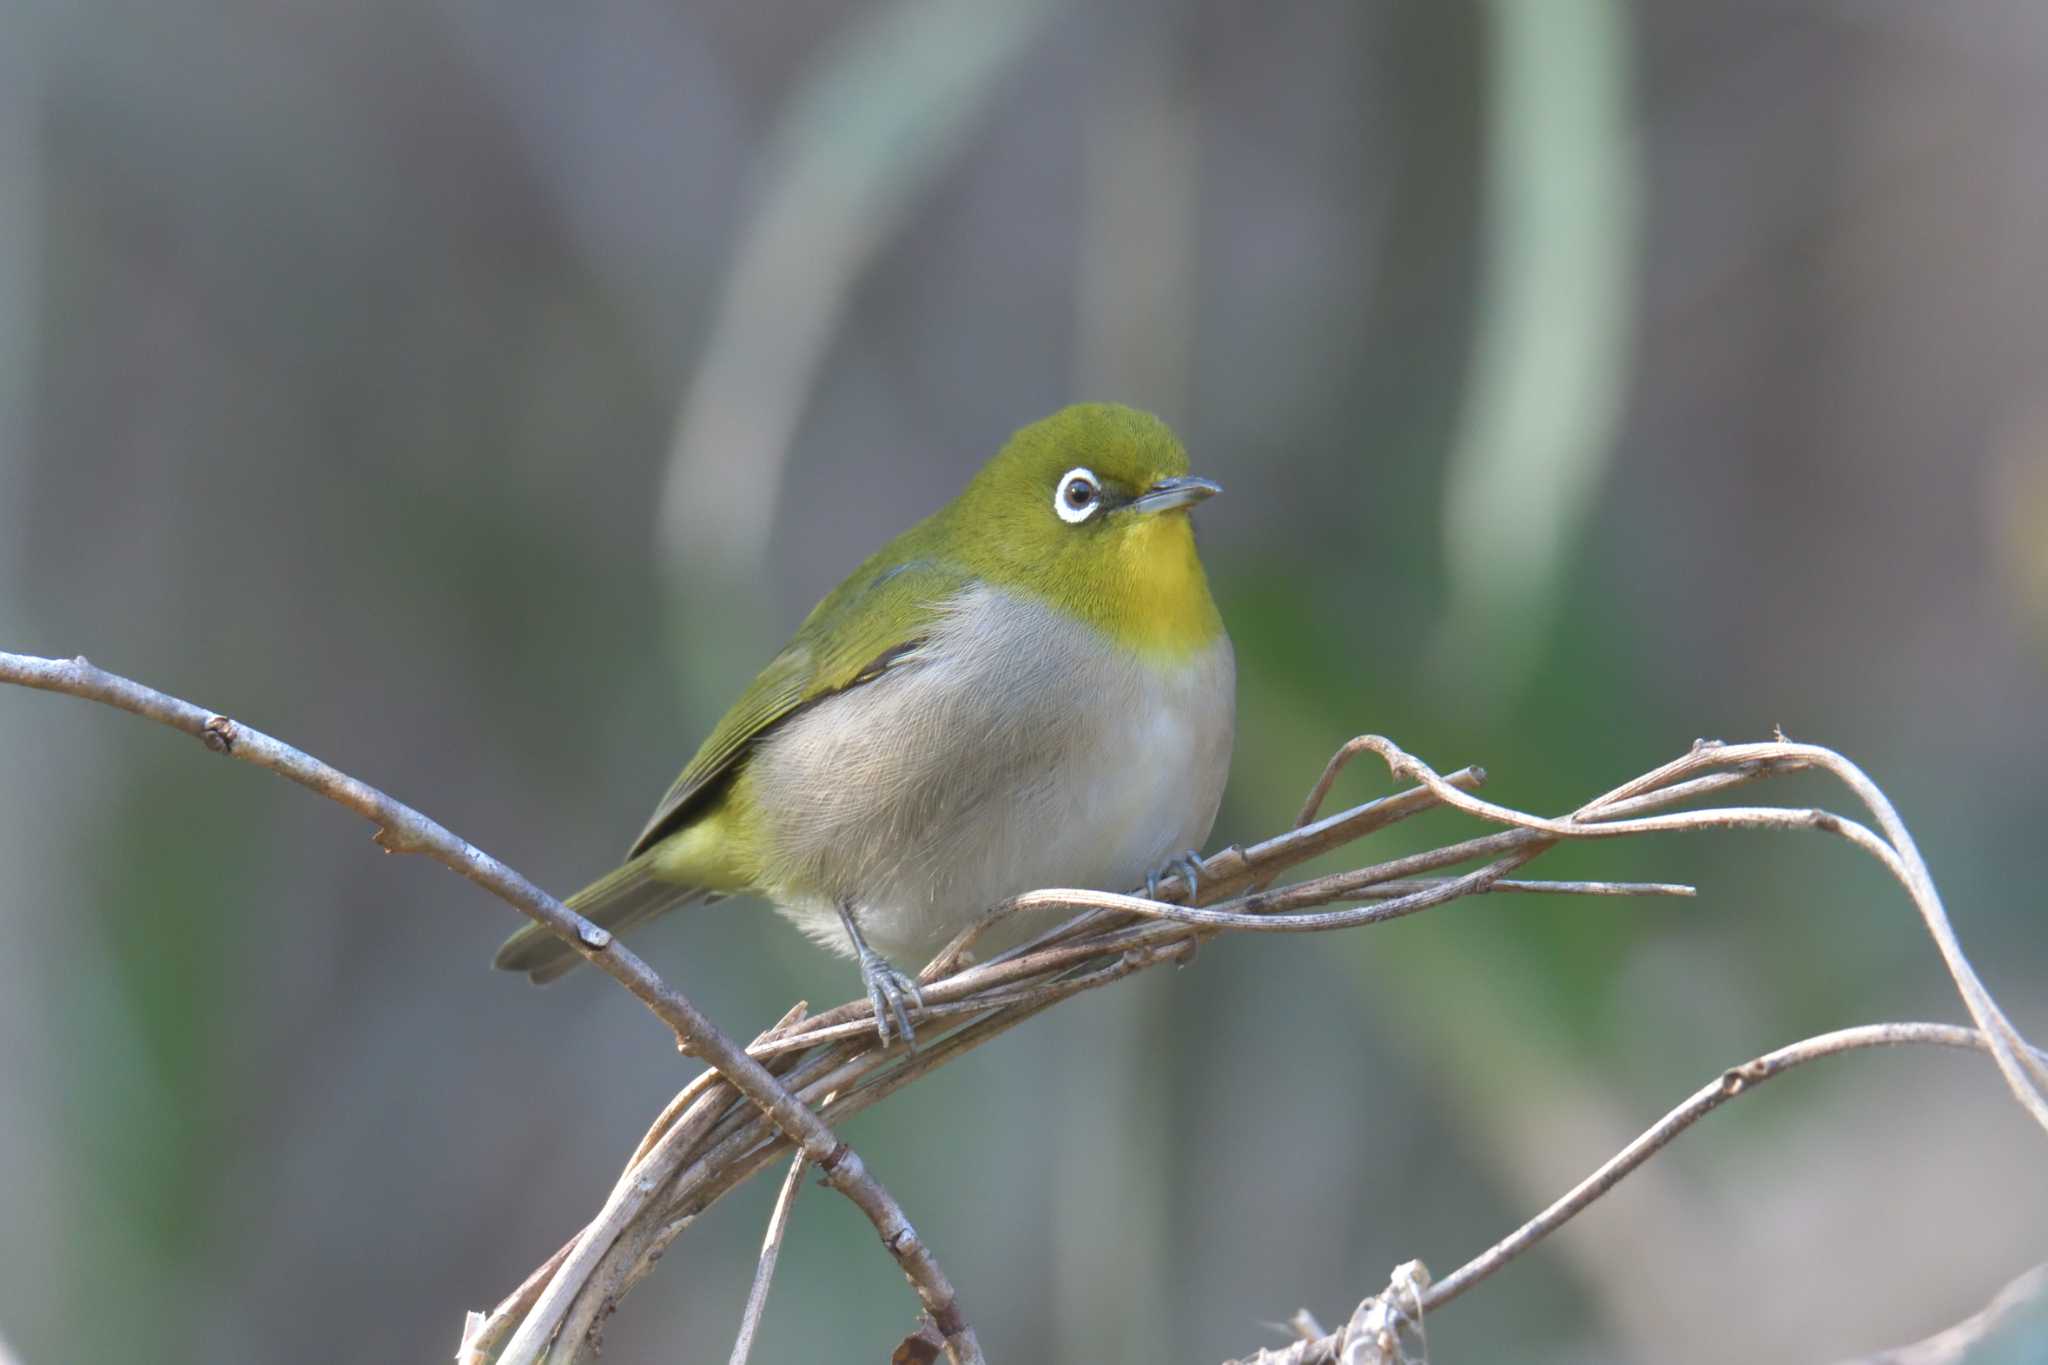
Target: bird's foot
(892, 994)
(1187, 865)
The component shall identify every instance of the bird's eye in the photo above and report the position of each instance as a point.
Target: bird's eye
(1077, 495)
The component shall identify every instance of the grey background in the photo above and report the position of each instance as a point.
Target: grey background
(1690, 385)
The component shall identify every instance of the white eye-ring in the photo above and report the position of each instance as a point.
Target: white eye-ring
(1076, 496)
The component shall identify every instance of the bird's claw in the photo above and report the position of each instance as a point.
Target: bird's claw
(888, 989)
(1187, 865)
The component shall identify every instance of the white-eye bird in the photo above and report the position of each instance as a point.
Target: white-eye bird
(1029, 688)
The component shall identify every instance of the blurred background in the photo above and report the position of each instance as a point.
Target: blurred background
(476, 394)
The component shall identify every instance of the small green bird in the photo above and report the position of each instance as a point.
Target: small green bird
(1029, 688)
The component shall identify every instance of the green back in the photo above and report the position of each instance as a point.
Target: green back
(872, 621)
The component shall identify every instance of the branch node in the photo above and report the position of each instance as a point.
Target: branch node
(392, 839)
(1736, 1079)
(218, 733)
(922, 1346)
(948, 1319)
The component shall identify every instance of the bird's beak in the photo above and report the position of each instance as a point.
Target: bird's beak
(1168, 494)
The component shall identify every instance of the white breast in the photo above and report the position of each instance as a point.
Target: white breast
(1018, 749)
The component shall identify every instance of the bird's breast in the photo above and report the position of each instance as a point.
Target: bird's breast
(1018, 748)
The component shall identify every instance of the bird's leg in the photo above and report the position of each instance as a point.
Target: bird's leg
(1187, 863)
(887, 986)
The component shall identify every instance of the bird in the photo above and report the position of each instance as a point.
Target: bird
(1032, 687)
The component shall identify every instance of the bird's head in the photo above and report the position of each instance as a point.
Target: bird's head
(1088, 508)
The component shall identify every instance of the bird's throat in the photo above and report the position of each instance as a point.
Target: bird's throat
(1157, 599)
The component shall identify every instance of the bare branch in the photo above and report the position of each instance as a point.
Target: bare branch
(771, 1250)
(1378, 1332)
(1111, 936)
(1953, 1345)
(761, 1104)
(2024, 1072)
(401, 829)
(1709, 1097)
(1702, 1102)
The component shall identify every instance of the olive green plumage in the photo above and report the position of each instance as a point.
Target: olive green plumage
(913, 738)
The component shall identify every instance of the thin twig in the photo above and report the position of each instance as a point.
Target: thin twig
(1409, 886)
(750, 1146)
(484, 1333)
(1953, 1345)
(1704, 1101)
(1113, 935)
(580, 1294)
(1227, 872)
(1121, 934)
(2025, 1073)
(1709, 1097)
(762, 1103)
(1377, 1333)
(401, 829)
(771, 1250)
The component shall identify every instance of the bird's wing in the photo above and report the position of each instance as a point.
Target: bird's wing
(869, 624)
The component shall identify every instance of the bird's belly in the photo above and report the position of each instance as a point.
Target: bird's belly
(1021, 750)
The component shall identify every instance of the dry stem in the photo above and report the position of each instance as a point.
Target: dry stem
(759, 1104)
(771, 1251)
(1330, 1348)
(1954, 1345)
(1112, 936)
(401, 829)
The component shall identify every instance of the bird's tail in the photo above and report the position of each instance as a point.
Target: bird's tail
(617, 901)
